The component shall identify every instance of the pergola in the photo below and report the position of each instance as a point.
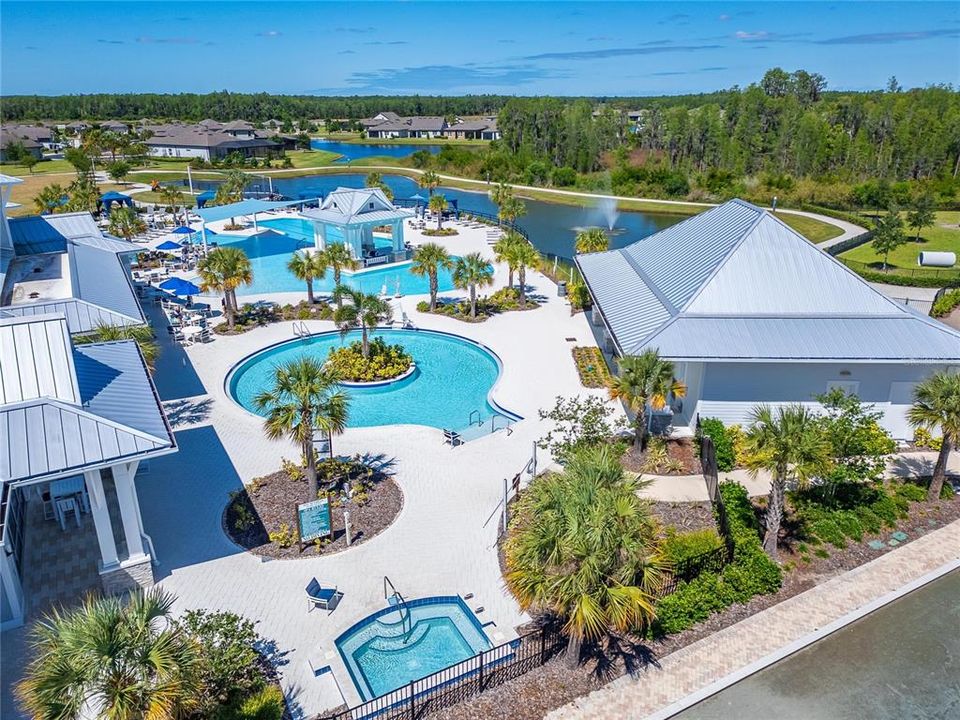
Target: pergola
(352, 214)
(239, 209)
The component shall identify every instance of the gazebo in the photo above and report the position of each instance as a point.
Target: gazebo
(350, 216)
(110, 197)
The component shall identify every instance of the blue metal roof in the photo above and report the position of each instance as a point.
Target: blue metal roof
(82, 316)
(244, 207)
(102, 278)
(36, 234)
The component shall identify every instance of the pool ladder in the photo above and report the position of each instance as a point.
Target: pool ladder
(301, 330)
(406, 622)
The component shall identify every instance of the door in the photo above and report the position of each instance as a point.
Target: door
(901, 397)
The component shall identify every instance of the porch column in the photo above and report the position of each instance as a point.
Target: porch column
(101, 520)
(255, 226)
(397, 235)
(319, 236)
(129, 509)
(12, 589)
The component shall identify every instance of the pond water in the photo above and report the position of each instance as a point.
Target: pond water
(356, 151)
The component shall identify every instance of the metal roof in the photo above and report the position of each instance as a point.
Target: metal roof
(353, 206)
(49, 233)
(36, 360)
(102, 278)
(736, 282)
(82, 316)
(244, 207)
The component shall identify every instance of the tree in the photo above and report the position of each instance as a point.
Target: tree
(888, 233)
(789, 444)
(427, 260)
(470, 272)
(224, 269)
(28, 160)
(525, 255)
(510, 209)
(577, 422)
(504, 251)
(776, 82)
(79, 159)
(592, 240)
(922, 214)
(583, 546)
(936, 404)
(859, 446)
(429, 180)
(304, 398)
(438, 205)
(645, 380)
(124, 657)
(118, 170)
(172, 197)
(140, 334)
(124, 222)
(84, 195)
(337, 256)
(375, 180)
(365, 311)
(50, 199)
(307, 266)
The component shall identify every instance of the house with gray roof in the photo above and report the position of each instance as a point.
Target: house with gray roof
(484, 129)
(751, 312)
(202, 141)
(389, 125)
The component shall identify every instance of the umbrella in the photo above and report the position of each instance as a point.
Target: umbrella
(169, 245)
(418, 196)
(179, 286)
(183, 230)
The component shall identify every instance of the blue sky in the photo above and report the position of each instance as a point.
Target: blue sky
(550, 48)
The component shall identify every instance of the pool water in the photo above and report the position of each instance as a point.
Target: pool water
(383, 652)
(452, 380)
(269, 254)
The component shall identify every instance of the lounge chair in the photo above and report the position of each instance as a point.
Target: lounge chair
(325, 598)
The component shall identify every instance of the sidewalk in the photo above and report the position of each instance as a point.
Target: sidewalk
(707, 661)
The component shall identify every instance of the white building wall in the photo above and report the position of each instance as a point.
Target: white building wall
(179, 152)
(730, 391)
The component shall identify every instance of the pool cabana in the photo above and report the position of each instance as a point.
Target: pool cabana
(110, 197)
(244, 208)
(350, 216)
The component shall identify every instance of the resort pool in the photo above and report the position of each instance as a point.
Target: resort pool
(452, 380)
(270, 252)
(398, 644)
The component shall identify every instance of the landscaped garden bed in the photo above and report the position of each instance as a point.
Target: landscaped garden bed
(442, 232)
(262, 517)
(663, 456)
(384, 362)
(501, 301)
(251, 316)
(591, 367)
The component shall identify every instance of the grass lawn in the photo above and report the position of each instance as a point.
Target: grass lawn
(155, 197)
(44, 167)
(813, 230)
(24, 192)
(311, 158)
(944, 235)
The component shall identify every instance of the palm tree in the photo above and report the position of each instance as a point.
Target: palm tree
(427, 260)
(172, 198)
(438, 204)
(592, 240)
(307, 266)
(789, 443)
(525, 255)
(375, 180)
(84, 196)
(125, 223)
(500, 193)
(429, 180)
(645, 380)
(224, 269)
(140, 334)
(49, 199)
(304, 398)
(338, 257)
(504, 251)
(112, 658)
(470, 272)
(365, 311)
(583, 545)
(510, 209)
(937, 404)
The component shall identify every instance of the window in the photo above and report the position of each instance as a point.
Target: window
(851, 387)
(371, 206)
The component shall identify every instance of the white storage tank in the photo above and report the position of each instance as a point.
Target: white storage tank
(937, 259)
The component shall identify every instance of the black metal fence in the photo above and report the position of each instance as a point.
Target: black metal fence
(462, 681)
(708, 463)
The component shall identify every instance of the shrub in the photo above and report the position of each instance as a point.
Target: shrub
(679, 547)
(946, 303)
(564, 176)
(722, 442)
(267, 704)
(924, 439)
(284, 537)
(910, 492)
(591, 367)
(385, 361)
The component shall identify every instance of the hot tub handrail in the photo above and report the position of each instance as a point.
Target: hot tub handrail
(401, 606)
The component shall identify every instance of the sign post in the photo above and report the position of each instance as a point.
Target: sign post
(313, 521)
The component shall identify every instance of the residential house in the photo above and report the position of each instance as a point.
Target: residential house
(197, 141)
(389, 125)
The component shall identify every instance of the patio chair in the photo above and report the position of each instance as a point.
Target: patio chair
(325, 598)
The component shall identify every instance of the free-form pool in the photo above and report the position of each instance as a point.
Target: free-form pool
(269, 254)
(452, 380)
(400, 643)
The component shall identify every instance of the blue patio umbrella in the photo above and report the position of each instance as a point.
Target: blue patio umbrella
(183, 230)
(169, 245)
(418, 197)
(179, 286)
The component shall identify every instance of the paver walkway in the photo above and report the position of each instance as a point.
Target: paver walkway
(699, 665)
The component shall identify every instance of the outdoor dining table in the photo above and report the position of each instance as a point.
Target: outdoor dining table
(71, 489)
(191, 330)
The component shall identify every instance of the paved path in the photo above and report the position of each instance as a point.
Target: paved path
(697, 666)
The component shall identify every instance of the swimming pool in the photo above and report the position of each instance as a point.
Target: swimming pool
(452, 381)
(398, 644)
(270, 252)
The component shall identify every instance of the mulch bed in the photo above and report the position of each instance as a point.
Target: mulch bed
(682, 449)
(273, 501)
(533, 695)
(685, 516)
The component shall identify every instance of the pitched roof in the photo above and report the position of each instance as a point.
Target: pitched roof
(735, 282)
(344, 206)
(49, 233)
(36, 360)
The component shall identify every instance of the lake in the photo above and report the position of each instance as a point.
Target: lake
(356, 151)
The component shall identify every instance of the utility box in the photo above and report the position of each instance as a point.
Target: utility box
(562, 288)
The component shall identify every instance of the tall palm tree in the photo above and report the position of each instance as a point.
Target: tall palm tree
(112, 658)
(308, 266)
(375, 180)
(645, 380)
(470, 272)
(84, 196)
(438, 204)
(224, 269)
(525, 255)
(429, 180)
(427, 260)
(788, 443)
(501, 192)
(49, 199)
(337, 256)
(583, 545)
(304, 398)
(140, 334)
(592, 240)
(172, 198)
(365, 311)
(510, 209)
(124, 222)
(937, 404)
(504, 251)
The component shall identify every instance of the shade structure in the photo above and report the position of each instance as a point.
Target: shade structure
(418, 197)
(169, 245)
(179, 286)
(183, 230)
(110, 197)
(205, 197)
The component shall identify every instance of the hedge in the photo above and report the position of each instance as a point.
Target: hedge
(722, 442)
(935, 279)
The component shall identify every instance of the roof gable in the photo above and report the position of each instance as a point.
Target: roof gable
(36, 360)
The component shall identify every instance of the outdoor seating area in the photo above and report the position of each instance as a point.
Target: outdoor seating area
(64, 501)
(322, 597)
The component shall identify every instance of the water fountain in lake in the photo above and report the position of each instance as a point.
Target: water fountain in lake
(609, 211)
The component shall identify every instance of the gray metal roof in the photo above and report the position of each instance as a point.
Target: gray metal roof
(102, 278)
(736, 282)
(82, 316)
(36, 360)
(353, 206)
(49, 233)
